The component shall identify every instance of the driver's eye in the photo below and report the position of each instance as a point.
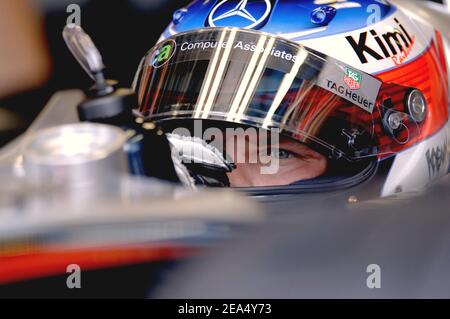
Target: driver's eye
(281, 154)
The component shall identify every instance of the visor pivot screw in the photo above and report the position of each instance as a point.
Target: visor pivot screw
(395, 120)
(417, 105)
(322, 16)
(353, 199)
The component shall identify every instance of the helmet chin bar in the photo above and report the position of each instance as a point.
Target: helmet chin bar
(332, 181)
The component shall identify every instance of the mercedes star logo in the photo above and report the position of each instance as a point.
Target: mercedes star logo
(253, 13)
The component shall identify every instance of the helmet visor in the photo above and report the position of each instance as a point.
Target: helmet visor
(251, 78)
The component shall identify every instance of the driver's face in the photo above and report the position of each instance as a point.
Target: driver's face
(296, 162)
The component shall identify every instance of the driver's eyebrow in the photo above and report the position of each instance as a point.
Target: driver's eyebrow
(295, 147)
(289, 142)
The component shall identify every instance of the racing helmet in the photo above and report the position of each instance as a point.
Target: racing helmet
(358, 81)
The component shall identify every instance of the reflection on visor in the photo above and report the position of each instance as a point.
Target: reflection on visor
(251, 78)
